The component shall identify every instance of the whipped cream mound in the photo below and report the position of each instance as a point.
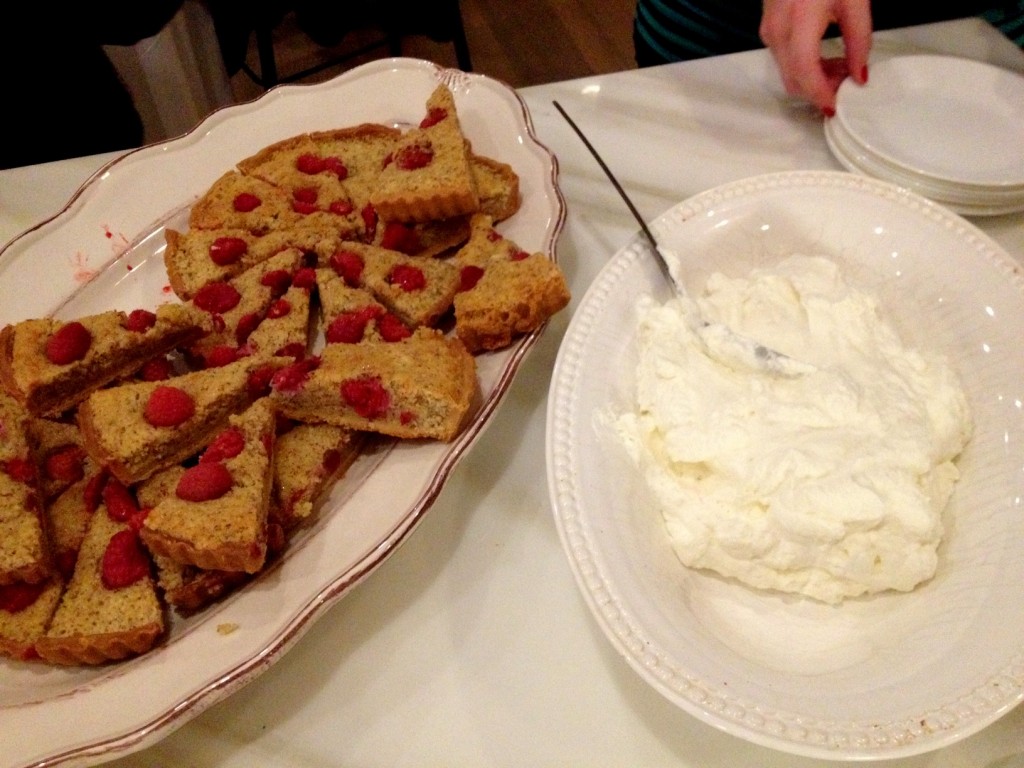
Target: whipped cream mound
(830, 483)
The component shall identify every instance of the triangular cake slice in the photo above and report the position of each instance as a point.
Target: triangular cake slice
(429, 175)
(138, 428)
(68, 517)
(287, 325)
(308, 460)
(506, 291)
(418, 290)
(216, 518)
(296, 163)
(421, 386)
(238, 201)
(59, 454)
(24, 546)
(349, 315)
(241, 201)
(185, 588)
(25, 613)
(52, 365)
(110, 609)
(237, 306)
(498, 185)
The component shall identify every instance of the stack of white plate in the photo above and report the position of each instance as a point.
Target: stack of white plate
(947, 128)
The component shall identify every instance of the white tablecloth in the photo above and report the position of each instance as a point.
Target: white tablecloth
(471, 645)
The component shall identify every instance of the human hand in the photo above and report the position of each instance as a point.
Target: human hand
(793, 29)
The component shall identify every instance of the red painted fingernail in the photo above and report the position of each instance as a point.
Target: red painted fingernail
(829, 111)
(864, 75)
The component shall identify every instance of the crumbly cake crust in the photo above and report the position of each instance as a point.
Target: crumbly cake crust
(414, 303)
(420, 387)
(437, 183)
(227, 533)
(117, 435)
(94, 624)
(47, 388)
(20, 630)
(308, 460)
(514, 293)
(24, 544)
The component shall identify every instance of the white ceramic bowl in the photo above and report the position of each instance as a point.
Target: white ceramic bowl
(881, 677)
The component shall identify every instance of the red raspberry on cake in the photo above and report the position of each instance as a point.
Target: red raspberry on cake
(206, 481)
(216, 517)
(422, 386)
(58, 451)
(49, 383)
(68, 344)
(63, 466)
(168, 406)
(506, 291)
(157, 369)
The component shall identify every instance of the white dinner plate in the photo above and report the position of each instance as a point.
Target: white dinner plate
(873, 678)
(104, 250)
(942, 117)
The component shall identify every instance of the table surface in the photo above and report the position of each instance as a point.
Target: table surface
(471, 645)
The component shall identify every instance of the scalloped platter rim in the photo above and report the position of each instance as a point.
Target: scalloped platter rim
(103, 250)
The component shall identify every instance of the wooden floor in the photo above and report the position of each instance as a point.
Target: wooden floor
(520, 42)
